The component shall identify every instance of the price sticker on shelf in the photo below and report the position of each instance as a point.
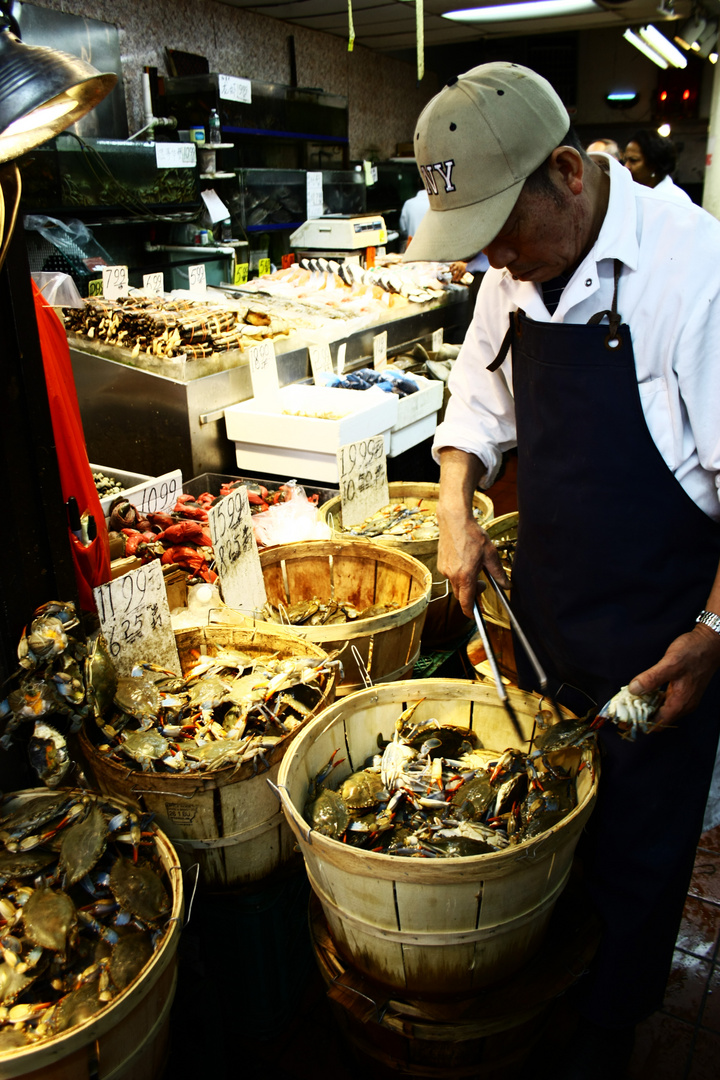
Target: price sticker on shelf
(241, 274)
(135, 619)
(233, 88)
(115, 283)
(236, 555)
(154, 284)
(437, 339)
(95, 287)
(180, 155)
(362, 471)
(196, 279)
(264, 373)
(264, 267)
(320, 361)
(380, 358)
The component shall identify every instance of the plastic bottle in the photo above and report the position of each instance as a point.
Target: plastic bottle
(215, 134)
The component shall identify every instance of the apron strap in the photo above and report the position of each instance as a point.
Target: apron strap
(613, 316)
(612, 341)
(507, 340)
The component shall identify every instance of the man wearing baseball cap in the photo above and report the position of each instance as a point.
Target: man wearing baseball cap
(593, 350)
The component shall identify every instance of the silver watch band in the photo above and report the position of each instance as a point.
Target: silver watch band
(709, 618)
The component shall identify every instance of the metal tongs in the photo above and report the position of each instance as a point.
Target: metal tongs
(530, 653)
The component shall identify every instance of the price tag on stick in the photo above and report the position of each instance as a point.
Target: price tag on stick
(264, 373)
(196, 279)
(135, 619)
(115, 282)
(362, 469)
(236, 555)
(154, 284)
(380, 359)
(320, 361)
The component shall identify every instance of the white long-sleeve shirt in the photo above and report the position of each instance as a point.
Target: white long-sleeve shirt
(669, 295)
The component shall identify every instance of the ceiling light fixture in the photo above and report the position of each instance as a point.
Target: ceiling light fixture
(664, 130)
(690, 31)
(531, 9)
(707, 41)
(645, 49)
(657, 41)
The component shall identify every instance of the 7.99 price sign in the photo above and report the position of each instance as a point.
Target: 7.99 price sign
(236, 555)
(362, 470)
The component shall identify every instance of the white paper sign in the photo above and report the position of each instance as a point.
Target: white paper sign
(182, 155)
(362, 470)
(437, 339)
(115, 282)
(263, 371)
(231, 88)
(135, 619)
(236, 555)
(380, 359)
(342, 349)
(154, 284)
(196, 279)
(320, 361)
(216, 208)
(314, 189)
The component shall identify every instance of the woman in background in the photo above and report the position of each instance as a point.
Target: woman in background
(651, 158)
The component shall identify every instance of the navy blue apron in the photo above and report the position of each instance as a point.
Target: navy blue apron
(614, 560)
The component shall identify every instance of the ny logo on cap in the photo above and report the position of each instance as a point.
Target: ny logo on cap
(444, 168)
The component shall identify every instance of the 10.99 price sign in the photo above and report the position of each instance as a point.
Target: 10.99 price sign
(236, 555)
(362, 470)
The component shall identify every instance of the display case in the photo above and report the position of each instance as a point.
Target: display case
(105, 178)
(275, 199)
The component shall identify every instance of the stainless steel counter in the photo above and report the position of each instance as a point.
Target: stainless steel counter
(142, 421)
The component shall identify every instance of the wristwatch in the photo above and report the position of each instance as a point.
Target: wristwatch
(709, 618)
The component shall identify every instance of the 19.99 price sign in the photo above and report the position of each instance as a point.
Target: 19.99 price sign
(362, 469)
(236, 555)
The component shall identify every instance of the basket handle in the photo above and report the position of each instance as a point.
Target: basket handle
(364, 674)
(442, 595)
(281, 794)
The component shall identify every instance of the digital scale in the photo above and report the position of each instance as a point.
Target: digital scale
(340, 233)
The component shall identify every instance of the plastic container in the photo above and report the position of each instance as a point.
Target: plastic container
(214, 132)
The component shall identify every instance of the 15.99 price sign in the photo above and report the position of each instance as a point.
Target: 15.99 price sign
(236, 555)
(362, 470)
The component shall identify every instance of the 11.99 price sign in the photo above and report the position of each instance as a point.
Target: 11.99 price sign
(236, 555)
(362, 470)
(135, 619)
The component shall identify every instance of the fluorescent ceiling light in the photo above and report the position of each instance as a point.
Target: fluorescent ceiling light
(622, 95)
(638, 42)
(531, 9)
(657, 41)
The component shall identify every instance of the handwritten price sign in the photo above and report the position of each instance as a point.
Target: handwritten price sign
(320, 361)
(362, 468)
(135, 619)
(196, 279)
(263, 371)
(380, 359)
(156, 495)
(236, 555)
(154, 284)
(115, 282)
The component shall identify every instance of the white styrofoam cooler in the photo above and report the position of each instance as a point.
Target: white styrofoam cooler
(417, 415)
(280, 441)
(131, 481)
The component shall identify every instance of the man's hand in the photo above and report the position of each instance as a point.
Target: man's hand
(688, 665)
(463, 550)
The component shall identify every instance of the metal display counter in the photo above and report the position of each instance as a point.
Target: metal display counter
(148, 422)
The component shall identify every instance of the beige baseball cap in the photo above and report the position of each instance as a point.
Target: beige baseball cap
(476, 143)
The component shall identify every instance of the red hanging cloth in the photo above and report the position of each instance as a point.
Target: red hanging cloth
(92, 562)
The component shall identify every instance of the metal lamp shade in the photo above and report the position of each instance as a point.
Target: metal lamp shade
(42, 92)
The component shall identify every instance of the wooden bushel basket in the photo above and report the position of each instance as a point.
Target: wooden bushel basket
(429, 926)
(227, 821)
(445, 621)
(363, 574)
(128, 1039)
